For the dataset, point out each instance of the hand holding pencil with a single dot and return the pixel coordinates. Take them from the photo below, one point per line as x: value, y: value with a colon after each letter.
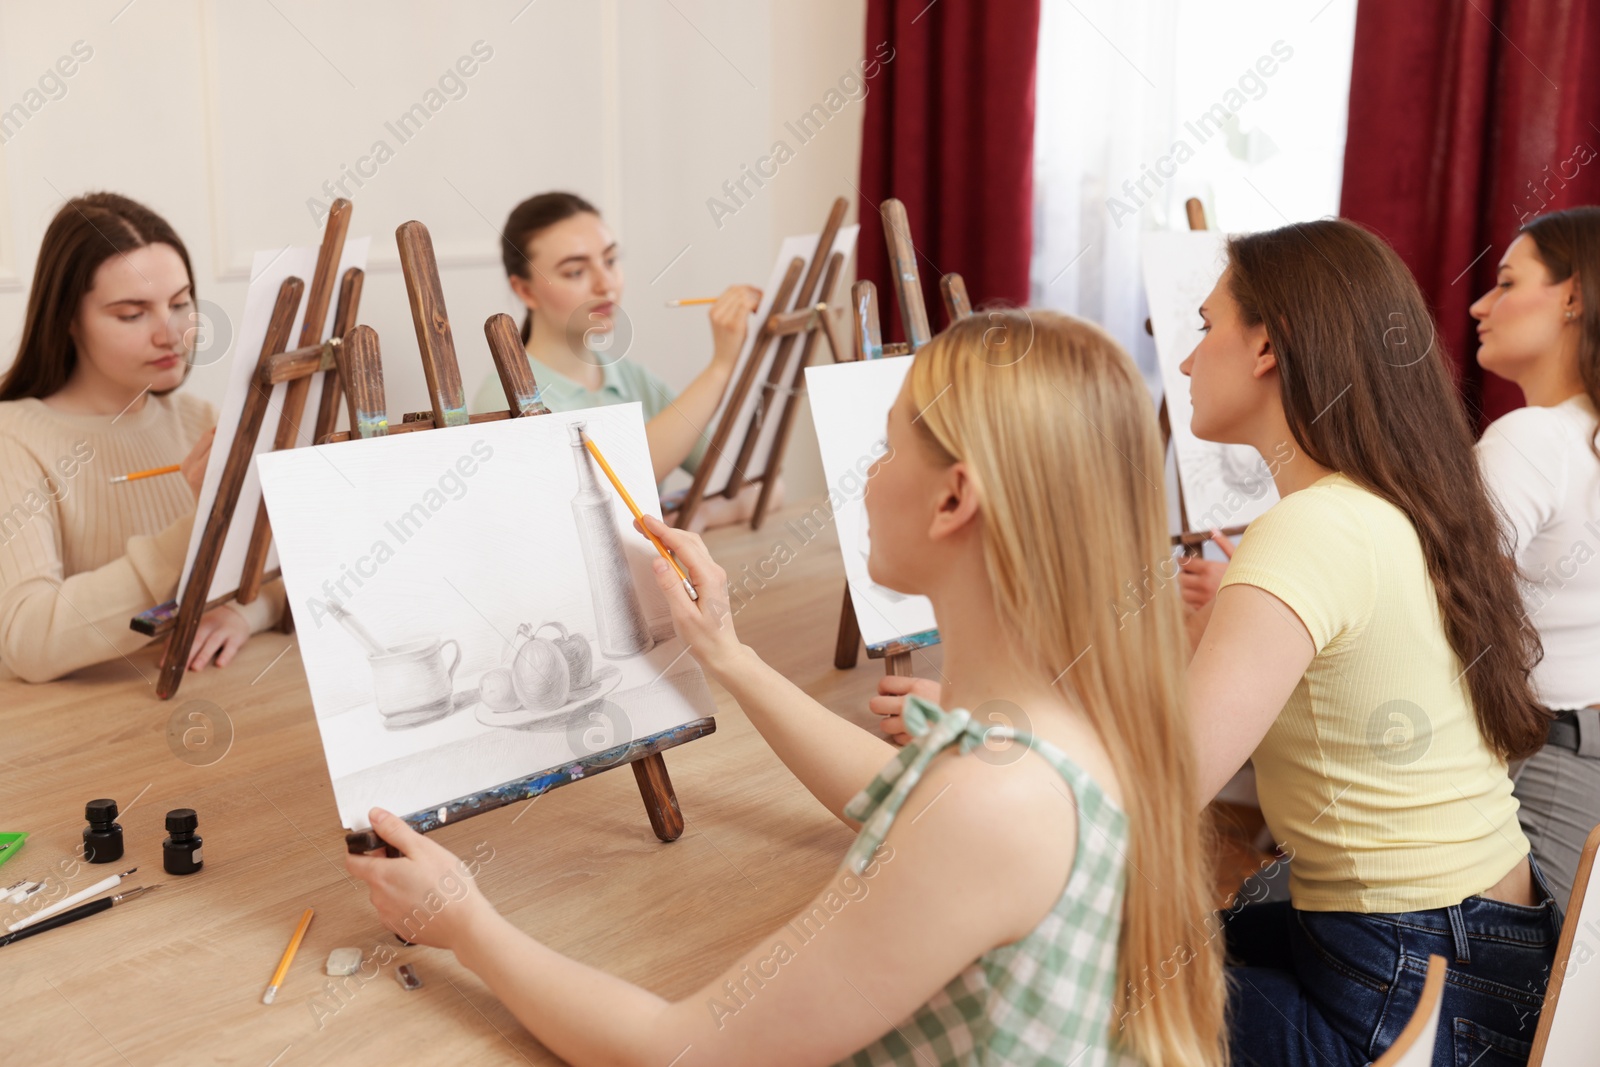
x: 594, y: 450
x: 705, y: 624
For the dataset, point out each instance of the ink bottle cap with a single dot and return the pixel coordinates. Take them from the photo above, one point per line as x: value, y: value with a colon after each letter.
x: 180, y: 852
x: 102, y: 838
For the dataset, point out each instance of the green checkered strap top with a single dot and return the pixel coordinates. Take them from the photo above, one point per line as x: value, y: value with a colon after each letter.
x: 1046, y: 998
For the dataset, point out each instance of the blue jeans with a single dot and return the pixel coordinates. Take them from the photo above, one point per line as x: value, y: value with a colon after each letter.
x: 1330, y: 989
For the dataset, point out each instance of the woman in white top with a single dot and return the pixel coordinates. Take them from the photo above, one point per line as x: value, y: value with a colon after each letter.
x: 1540, y: 327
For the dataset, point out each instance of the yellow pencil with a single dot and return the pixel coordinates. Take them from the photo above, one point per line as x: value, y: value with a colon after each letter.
x: 288, y: 958
x: 594, y: 450
x: 151, y: 473
x: 691, y: 301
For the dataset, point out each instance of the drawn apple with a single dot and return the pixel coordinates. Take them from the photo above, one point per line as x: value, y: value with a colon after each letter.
x: 579, y: 657
x: 539, y: 673
x: 498, y: 691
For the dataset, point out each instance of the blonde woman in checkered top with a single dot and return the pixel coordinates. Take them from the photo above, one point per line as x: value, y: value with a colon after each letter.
x: 1036, y: 896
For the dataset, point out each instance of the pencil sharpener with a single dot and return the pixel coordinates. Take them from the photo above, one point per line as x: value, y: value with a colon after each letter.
x: 406, y: 975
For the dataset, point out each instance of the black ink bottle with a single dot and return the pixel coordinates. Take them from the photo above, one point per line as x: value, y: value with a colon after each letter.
x: 102, y: 838
x: 180, y: 853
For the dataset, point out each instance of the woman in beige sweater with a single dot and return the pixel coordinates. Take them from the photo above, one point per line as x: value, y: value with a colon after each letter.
x: 92, y: 394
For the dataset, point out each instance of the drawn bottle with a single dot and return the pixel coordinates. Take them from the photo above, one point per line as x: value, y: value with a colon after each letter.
x: 617, y: 613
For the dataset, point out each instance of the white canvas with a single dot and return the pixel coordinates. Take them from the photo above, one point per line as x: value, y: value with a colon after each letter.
x: 463, y: 534
x: 267, y: 274
x: 804, y: 247
x: 1223, y: 485
x: 850, y: 405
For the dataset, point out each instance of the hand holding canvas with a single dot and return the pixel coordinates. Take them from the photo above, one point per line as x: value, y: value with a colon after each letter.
x: 425, y: 895
x: 891, y: 701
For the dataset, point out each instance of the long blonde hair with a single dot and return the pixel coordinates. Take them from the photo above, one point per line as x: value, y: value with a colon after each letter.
x: 1058, y: 428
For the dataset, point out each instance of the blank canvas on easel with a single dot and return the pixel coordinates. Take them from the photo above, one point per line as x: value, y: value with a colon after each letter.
x: 441, y: 545
x: 801, y: 247
x: 850, y: 405
x: 267, y: 274
x: 1223, y: 485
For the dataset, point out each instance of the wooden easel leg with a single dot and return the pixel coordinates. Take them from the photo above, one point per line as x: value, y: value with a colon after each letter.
x: 660, y: 802
x: 898, y: 663
x: 180, y: 641
x: 848, y: 648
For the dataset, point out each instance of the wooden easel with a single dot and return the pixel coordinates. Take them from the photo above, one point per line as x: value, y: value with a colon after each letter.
x: 274, y: 365
x: 784, y: 324
x: 869, y: 345
x: 1192, y: 543
x: 360, y: 366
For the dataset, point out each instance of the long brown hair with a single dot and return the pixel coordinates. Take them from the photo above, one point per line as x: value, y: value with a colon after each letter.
x: 1056, y: 440
x: 526, y: 220
x: 87, y: 231
x: 1367, y: 393
x: 1568, y: 243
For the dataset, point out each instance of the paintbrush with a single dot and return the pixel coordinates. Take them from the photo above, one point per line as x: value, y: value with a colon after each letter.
x: 358, y: 631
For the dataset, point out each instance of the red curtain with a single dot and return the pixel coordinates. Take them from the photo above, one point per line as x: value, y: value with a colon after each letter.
x: 1467, y: 116
x: 948, y: 130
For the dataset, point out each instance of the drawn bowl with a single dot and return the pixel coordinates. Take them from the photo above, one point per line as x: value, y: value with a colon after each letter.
x: 604, y: 681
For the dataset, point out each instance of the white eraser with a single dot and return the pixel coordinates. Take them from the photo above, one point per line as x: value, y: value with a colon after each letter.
x: 343, y: 961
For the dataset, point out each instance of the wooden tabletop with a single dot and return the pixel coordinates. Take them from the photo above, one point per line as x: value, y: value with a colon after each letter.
x: 177, y: 976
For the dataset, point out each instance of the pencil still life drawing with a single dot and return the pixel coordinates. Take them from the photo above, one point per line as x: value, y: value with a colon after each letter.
x: 1223, y: 485
x: 474, y: 605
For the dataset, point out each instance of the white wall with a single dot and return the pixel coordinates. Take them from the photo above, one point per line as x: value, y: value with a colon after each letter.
x: 228, y: 119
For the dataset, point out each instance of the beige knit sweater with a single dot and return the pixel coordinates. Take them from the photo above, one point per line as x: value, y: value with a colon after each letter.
x: 80, y: 556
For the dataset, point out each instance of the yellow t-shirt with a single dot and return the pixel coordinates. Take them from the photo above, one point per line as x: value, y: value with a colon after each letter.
x: 1375, y: 774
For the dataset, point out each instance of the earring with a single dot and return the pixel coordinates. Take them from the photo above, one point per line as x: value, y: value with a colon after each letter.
x: 1569, y: 316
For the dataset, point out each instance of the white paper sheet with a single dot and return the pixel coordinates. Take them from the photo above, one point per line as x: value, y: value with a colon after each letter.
x: 1223, y: 485
x: 850, y: 405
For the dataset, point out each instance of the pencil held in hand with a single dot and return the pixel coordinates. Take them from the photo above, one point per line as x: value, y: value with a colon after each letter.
x: 594, y: 450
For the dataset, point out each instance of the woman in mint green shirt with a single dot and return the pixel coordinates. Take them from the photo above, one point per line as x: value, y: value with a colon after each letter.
x: 562, y: 262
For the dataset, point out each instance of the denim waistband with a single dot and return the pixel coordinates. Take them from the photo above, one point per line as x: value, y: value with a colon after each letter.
x: 1480, y: 917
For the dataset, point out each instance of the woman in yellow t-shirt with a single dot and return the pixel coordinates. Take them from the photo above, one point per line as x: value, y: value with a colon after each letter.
x: 1368, y: 649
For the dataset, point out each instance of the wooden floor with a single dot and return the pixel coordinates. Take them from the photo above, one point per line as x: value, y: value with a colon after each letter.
x: 177, y: 976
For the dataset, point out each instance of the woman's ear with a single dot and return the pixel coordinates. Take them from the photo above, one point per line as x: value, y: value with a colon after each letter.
x: 958, y: 502
x: 1266, y: 358
x: 524, y: 291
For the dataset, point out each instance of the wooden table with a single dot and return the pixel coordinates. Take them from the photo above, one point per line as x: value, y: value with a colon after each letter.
x: 177, y: 976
